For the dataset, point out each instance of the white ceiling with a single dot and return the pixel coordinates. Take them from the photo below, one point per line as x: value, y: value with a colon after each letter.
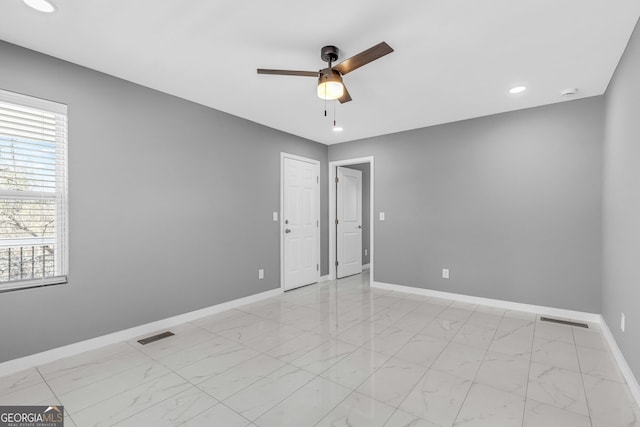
x: 453, y: 59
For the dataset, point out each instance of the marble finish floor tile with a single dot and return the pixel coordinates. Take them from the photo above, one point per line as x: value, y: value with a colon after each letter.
x: 191, y: 355
x: 98, y: 391
x: 358, y: 410
x: 488, y: 407
x: 554, y: 332
x: 389, y: 341
x: 355, y: 368
x: 590, y: 338
x: 475, y: 335
x: 342, y: 353
x: 504, y: 372
x: 610, y: 403
x: 215, y: 364
x: 20, y: 380
x: 297, y: 347
x: 414, y: 322
x: 124, y: 405
x: 392, y: 381
x: 443, y: 328
x: 405, y: 419
x: 324, y: 356
x: 240, y: 376
x: 307, y: 406
x: 219, y: 415
x: 437, y: 398
x: 555, y: 353
x: 460, y: 360
x: 361, y: 333
x: 598, y: 363
x: 541, y: 415
x: 514, y: 337
x: 557, y: 387
x: 268, y: 392
x: 422, y: 350
x: 38, y: 393
x: 174, y: 411
x: 72, y: 373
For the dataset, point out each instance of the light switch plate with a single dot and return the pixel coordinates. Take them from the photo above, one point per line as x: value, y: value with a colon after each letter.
x: 275, y: 216
x: 261, y: 273
x: 445, y: 273
x: 381, y: 216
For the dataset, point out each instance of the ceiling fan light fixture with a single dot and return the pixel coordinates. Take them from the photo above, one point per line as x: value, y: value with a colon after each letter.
x: 41, y: 5
x: 330, y: 86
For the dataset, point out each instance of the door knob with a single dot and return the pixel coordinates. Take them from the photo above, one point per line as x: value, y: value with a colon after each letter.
x: 286, y: 230
x: 359, y: 226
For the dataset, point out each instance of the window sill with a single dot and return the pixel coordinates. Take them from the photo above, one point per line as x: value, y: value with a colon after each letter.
x: 30, y: 284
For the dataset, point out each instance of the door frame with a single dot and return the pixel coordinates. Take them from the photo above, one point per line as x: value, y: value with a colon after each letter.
x: 283, y: 156
x: 332, y: 211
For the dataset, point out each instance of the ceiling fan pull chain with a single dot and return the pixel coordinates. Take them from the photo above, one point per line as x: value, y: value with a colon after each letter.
x: 325, y: 101
x: 334, y: 114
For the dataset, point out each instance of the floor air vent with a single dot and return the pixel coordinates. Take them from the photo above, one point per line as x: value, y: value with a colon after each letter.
x: 156, y: 337
x: 564, y: 322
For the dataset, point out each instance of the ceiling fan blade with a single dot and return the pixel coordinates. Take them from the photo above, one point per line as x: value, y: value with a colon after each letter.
x: 345, y: 96
x: 363, y: 58
x: 289, y: 72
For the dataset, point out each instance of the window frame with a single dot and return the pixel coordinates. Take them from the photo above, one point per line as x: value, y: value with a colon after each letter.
x: 59, y: 197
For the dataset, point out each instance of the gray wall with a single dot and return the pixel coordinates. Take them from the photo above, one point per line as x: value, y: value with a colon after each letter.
x: 621, y: 225
x: 170, y: 206
x: 510, y: 203
x: 365, y: 168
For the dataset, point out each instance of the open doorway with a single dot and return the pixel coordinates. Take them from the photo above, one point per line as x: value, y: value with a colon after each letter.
x: 364, y: 167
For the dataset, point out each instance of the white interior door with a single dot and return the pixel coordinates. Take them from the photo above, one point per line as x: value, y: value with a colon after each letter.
x: 300, y: 223
x: 349, y: 226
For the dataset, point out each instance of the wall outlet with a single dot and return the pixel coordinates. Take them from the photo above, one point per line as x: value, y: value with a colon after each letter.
x: 623, y: 320
x: 381, y: 216
x: 366, y: 252
x: 275, y: 216
x: 445, y: 273
x: 261, y: 273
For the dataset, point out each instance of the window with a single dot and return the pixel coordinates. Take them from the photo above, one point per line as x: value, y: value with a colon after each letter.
x: 33, y: 192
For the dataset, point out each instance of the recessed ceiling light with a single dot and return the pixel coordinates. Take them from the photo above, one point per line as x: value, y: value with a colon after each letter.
x: 517, y: 89
x: 41, y: 5
x: 569, y: 91
x: 337, y: 129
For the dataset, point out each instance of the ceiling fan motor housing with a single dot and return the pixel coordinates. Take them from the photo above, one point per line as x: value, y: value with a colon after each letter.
x: 329, y: 53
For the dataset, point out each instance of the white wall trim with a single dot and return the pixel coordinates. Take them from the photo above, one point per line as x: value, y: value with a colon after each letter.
x: 284, y: 155
x: 632, y: 382
x: 324, y: 278
x: 332, y: 210
x: 366, y: 266
x: 509, y: 305
x: 48, y: 356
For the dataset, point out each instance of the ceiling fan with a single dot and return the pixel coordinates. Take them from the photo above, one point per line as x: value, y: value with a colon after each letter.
x: 330, y: 84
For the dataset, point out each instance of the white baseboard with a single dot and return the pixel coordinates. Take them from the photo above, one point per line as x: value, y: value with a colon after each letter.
x: 539, y: 309
x: 325, y: 278
x: 632, y: 382
x: 366, y: 266
x: 48, y: 356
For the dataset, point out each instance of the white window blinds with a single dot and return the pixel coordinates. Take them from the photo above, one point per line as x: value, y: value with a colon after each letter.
x: 33, y: 192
